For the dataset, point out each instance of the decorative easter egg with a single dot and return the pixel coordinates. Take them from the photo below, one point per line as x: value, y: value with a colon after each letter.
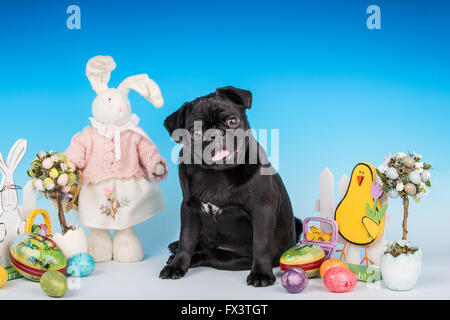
x: 3, y: 276
x: 32, y: 255
x: 66, y: 189
x: 339, y: 280
x: 48, y: 163
x: 415, y: 177
x: 308, y: 257
x: 426, y: 175
x: 49, y: 184
x: 393, y: 194
x: 408, y: 162
x: 63, y: 179
x: 80, y: 265
x: 332, y: 263
x: 54, y: 284
x: 294, y: 280
x: 392, y: 173
x: 39, y: 184
x: 410, y: 189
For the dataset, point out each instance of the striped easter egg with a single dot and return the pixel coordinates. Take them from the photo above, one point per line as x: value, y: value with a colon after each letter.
x: 32, y: 255
x: 308, y: 257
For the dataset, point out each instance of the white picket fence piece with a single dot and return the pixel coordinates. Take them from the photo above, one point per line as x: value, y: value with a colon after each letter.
x: 327, y: 207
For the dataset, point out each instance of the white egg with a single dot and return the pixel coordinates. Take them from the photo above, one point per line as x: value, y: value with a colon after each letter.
x: 393, y: 194
x: 426, y: 175
x: 39, y: 184
x: 415, y: 177
x: 392, y: 173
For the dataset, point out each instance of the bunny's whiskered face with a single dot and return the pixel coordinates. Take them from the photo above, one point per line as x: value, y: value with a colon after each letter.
x: 112, y: 106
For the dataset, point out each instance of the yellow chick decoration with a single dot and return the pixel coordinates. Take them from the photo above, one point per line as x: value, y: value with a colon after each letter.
x: 359, y: 215
x: 316, y: 234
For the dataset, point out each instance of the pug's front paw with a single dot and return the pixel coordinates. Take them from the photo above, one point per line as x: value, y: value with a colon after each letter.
x: 260, y: 279
x: 172, y: 271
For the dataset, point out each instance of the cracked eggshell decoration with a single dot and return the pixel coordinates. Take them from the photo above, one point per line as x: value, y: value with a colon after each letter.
x: 307, y: 257
x: 32, y: 255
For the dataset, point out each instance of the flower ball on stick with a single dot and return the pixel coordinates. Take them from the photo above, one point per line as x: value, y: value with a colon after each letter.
x: 58, y: 179
x: 405, y: 175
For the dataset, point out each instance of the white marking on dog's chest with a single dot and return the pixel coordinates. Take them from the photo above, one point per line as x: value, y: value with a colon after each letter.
x: 210, y: 208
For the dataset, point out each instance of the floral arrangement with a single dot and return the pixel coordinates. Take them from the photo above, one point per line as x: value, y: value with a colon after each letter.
x: 57, y: 178
x: 404, y: 175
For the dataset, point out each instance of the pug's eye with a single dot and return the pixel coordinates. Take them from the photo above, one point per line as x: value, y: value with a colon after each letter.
x: 197, y: 133
x: 232, y: 122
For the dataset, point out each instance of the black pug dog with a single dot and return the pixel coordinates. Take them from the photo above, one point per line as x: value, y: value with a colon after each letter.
x: 233, y: 216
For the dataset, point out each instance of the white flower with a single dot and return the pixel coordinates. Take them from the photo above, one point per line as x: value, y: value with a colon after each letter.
x: 383, y: 168
x: 419, y: 165
x: 55, y: 158
x: 421, y: 195
x: 402, y: 243
x: 400, y: 155
x: 416, y: 155
x: 388, y: 158
x: 379, y: 181
x: 421, y: 185
x: 400, y: 186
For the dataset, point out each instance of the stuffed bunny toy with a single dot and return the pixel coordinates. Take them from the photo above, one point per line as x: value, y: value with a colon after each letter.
x: 120, y: 164
x: 12, y: 222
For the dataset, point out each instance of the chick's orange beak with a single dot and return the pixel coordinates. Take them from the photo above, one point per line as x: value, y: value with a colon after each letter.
x: 360, y: 179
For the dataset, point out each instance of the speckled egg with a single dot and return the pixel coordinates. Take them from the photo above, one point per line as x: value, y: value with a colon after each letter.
x: 294, y: 280
x: 339, y: 280
x: 80, y: 265
x: 408, y: 162
x: 54, y: 284
x: 410, y: 189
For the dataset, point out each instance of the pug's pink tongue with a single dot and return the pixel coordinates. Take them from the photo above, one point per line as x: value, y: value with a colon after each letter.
x: 220, y: 155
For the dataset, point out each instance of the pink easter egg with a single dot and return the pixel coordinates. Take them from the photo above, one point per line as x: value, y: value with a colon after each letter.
x: 63, y: 179
x: 66, y: 189
x: 339, y: 280
x: 48, y: 163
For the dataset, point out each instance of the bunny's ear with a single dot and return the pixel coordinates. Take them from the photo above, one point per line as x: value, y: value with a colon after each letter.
x: 145, y: 86
x: 98, y: 71
x: 2, y: 165
x: 16, y: 154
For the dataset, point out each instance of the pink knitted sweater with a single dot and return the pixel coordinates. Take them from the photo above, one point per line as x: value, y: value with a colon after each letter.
x: 94, y: 154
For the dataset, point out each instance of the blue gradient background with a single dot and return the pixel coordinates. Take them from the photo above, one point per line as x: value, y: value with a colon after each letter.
x: 339, y: 92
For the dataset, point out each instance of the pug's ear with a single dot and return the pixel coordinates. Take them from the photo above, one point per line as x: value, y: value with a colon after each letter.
x: 176, y: 121
x: 238, y: 96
